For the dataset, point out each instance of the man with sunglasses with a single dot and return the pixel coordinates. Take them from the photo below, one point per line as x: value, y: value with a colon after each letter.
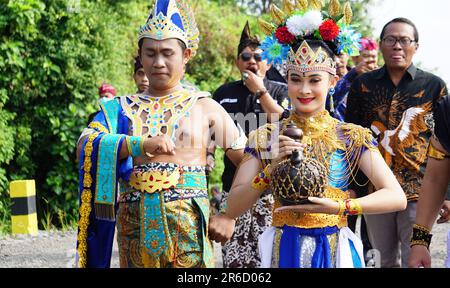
x: 249, y: 100
x: 397, y: 103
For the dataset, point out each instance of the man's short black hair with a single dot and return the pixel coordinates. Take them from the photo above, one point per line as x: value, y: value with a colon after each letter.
x: 182, y: 45
x: 401, y: 20
x: 252, y: 43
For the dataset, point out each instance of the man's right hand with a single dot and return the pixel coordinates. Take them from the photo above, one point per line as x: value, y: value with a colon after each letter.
x: 159, y: 145
x: 221, y: 228
x: 365, y: 66
x: 419, y: 257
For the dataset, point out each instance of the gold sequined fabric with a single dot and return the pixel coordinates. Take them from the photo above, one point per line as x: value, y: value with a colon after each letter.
x: 307, y: 221
x: 325, y: 136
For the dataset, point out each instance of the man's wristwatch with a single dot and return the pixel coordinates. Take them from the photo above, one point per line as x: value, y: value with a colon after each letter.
x: 260, y: 93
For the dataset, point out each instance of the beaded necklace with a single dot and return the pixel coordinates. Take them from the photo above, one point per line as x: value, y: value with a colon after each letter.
x: 326, y: 137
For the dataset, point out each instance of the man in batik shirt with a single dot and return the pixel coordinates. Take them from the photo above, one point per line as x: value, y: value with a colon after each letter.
x: 396, y: 102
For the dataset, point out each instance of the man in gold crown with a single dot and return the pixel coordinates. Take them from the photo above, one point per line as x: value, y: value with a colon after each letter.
x: 154, y: 146
x: 313, y: 232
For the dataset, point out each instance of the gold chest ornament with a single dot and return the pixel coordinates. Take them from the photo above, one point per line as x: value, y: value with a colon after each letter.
x: 155, y: 116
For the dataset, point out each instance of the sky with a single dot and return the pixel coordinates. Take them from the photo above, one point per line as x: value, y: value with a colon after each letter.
x: 432, y: 19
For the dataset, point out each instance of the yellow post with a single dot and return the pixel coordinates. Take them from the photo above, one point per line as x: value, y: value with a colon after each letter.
x: 23, y: 210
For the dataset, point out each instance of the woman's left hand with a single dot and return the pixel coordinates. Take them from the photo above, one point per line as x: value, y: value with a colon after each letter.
x: 319, y: 205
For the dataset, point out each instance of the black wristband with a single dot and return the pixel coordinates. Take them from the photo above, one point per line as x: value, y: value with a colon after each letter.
x: 421, y: 236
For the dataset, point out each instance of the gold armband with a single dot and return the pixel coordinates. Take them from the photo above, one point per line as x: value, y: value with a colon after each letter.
x: 135, y: 145
x: 262, y: 180
x: 349, y: 207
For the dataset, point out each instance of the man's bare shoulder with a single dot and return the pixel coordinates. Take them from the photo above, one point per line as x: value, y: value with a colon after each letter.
x: 209, y: 103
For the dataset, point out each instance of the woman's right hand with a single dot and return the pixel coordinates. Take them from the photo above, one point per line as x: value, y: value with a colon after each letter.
x: 283, y: 148
x: 159, y: 145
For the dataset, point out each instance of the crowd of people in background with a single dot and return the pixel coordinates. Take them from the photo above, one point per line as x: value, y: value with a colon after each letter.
x: 404, y: 108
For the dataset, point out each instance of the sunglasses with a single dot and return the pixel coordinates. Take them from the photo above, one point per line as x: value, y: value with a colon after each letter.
x: 246, y: 56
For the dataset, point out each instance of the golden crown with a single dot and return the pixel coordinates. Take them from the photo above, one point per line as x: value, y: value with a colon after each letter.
x: 307, y: 60
x: 172, y: 19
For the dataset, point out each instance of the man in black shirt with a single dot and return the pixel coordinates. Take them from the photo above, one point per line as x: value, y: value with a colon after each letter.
x: 396, y: 102
x: 251, y: 102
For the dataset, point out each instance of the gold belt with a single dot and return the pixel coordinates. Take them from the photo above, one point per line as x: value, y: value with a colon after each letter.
x: 156, y: 181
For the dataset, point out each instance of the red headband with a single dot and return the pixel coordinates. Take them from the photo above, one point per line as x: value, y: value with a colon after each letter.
x: 368, y: 44
x: 106, y: 88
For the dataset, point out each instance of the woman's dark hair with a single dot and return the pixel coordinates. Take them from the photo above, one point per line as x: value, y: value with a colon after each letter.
x: 328, y: 46
x: 401, y: 20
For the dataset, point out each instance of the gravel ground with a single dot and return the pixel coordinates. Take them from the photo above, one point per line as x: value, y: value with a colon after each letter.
x: 56, y: 249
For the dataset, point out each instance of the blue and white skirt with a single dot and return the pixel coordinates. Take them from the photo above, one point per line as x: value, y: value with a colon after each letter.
x: 291, y: 247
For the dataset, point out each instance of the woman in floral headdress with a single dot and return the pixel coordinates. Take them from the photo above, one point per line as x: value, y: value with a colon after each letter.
x: 315, y: 234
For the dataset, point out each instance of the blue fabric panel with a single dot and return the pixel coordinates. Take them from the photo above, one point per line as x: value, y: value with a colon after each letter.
x: 338, y: 165
x: 107, y: 168
x: 290, y: 247
x: 355, y: 256
x: 154, y: 240
x: 111, y: 109
x: 100, y: 243
x: 125, y: 166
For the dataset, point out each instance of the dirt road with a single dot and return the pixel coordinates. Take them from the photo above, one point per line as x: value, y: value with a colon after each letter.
x: 57, y: 250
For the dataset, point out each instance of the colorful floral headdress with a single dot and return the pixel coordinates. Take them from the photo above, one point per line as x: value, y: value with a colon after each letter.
x: 368, y: 44
x: 303, y: 21
x: 171, y: 19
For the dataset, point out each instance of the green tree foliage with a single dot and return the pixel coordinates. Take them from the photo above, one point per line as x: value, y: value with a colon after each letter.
x: 220, y: 29
x: 53, y: 56
x: 261, y: 7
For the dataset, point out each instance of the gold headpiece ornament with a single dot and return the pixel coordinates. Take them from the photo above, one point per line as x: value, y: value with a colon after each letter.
x: 171, y: 19
x: 308, y: 60
x: 334, y: 8
x: 301, y: 21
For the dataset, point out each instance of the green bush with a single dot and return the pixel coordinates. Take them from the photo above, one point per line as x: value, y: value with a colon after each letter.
x: 52, y: 59
x: 53, y: 56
